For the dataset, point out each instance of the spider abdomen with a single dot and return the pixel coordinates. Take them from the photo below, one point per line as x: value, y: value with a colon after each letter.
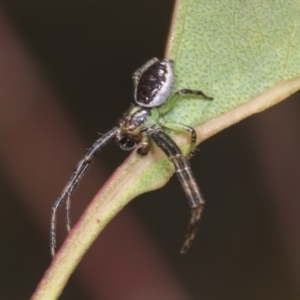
x: 154, y: 84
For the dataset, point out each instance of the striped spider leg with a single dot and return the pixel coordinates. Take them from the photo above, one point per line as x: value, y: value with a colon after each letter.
x: 182, y: 127
x: 77, y: 175
x: 186, y: 179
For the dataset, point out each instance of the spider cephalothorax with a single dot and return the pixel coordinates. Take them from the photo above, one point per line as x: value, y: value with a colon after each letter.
x: 153, y: 94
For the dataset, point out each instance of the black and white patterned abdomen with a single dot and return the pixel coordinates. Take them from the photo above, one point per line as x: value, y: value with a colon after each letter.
x: 154, y: 84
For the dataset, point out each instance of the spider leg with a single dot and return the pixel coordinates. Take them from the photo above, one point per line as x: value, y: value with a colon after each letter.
x: 193, y: 92
x: 182, y: 127
x: 178, y: 95
x: 186, y: 178
x: 79, y: 172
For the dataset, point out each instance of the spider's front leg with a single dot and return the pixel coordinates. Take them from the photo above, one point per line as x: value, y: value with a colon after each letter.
x: 79, y: 172
x: 182, y: 127
x: 186, y: 178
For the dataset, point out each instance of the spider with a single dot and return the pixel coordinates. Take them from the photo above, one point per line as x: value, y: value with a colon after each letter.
x: 153, y: 84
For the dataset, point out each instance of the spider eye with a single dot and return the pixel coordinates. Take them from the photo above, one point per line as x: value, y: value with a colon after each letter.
x: 127, y: 143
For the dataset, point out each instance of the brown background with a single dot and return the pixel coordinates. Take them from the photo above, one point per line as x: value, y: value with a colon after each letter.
x: 65, y: 75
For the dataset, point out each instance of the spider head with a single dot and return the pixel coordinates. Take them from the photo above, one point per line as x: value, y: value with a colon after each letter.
x: 129, y: 134
x: 135, y: 119
x: 133, y: 125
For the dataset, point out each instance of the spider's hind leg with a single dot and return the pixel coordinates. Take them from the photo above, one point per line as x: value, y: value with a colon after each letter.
x: 183, y: 92
x: 178, y: 95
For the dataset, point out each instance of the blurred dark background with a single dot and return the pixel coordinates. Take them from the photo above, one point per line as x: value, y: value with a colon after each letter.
x: 65, y: 75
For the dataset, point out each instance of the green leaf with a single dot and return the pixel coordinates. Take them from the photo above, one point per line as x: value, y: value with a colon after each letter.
x: 245, y: 54
x: 232, y: 50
